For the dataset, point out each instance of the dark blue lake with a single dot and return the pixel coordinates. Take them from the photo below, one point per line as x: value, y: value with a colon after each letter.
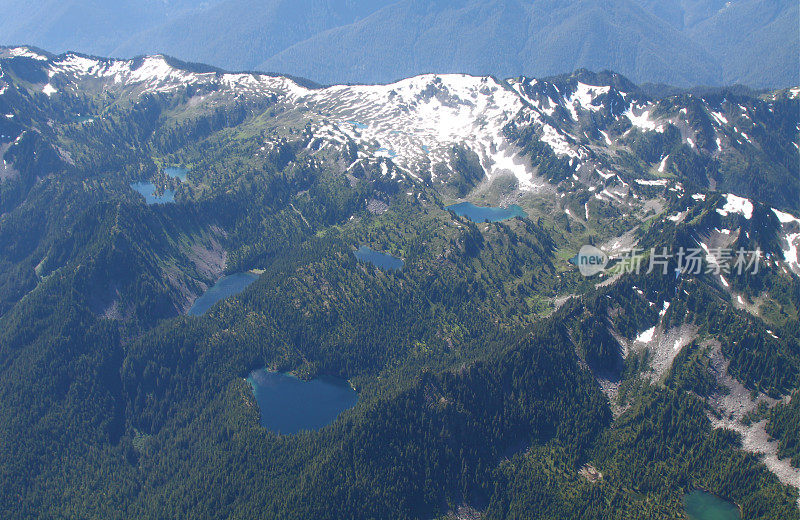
x: 384, y: 261
x: 148, y: 191
x: 176, y: 173
x: 485, y: 214
x: 289, y: 405
x: 225, y: 287
x: 700, y: 505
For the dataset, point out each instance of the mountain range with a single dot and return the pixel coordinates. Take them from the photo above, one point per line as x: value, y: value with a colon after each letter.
x: 679, y: 42
x: 493, y: 380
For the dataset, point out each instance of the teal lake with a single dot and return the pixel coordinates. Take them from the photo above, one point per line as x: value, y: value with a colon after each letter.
x: 289, y: 405
x: 148, y: 189
x: 225, y: 287
x: 384, y: 261
x: 176, y: 173
x: 700, y: 505
x: 485, y: 214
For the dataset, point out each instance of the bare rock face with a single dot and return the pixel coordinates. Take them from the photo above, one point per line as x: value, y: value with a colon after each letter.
x: 732, y: 406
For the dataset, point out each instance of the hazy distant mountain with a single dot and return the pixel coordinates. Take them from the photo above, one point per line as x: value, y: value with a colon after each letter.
x: 503, y: 37
x: 240, y: 34
x: 94, y: 26
x: 680, y: 42
x: 756, y: 41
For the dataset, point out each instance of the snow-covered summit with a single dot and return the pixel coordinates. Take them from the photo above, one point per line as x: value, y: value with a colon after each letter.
x: 586, y: 120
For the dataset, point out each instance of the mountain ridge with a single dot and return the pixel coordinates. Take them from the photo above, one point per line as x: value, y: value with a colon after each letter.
x: 518, y: 38
x: 743, y: 41
x: 555, y: 106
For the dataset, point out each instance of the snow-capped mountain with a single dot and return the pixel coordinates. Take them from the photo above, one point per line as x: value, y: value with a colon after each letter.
x: 587, y: 120
x: 415, y: 120
x: 592, y: 125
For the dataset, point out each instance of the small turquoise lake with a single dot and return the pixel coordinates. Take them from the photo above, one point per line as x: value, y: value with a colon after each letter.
x: 289, y: 405
x: 225, y: 287
x: 384, y: 261
x: 148, y: 191
x: 485, y: 214
x: 176, y: 172
x: 700, y: 505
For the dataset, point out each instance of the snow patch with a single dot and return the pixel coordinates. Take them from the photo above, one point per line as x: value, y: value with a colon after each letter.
x: 25, y: 52
x: 719, y: 118
x: 646, y: 336
x: 583, y: 97
x: 790, y: 254
x: 645, y: 182
x: 663, y: 165
x: 736, y: 204
x: 643, y: 121
x: 785, y: 218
